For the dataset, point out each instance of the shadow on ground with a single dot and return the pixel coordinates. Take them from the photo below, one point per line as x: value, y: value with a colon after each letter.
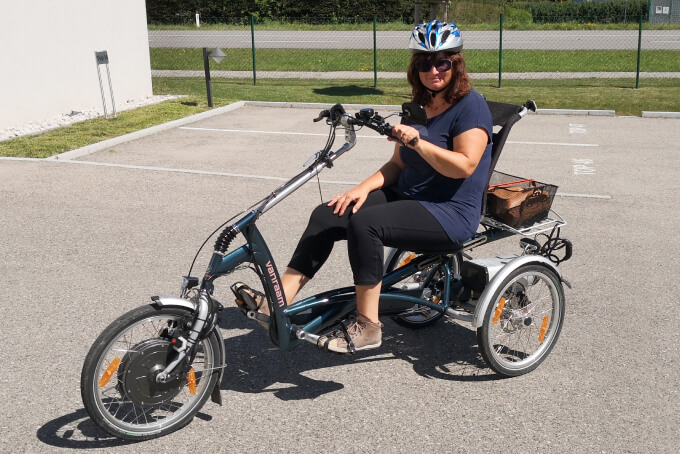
x: 348, y: 90
x: 445, y: 351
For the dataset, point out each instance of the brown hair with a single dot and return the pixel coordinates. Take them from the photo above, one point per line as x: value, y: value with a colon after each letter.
x: 457, y: 88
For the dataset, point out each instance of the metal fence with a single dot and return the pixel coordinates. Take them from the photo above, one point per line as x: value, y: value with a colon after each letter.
x: 369, y: 51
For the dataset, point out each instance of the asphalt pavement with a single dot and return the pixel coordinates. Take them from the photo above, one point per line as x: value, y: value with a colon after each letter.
x: 93, y: 234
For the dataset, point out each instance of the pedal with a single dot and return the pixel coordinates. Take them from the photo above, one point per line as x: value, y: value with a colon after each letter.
x: 245, y: 300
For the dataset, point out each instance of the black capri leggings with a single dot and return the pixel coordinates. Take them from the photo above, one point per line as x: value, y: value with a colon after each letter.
x: 385, y: 219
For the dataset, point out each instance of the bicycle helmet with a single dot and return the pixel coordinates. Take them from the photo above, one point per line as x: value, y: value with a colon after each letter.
x: 435, y: 36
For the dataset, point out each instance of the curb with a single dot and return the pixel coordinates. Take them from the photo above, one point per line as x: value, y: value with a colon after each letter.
x: 303, y: 105
x: 653, y: 114
x: 80, y: 152
x: 594, y: 113
x: 317, y: 105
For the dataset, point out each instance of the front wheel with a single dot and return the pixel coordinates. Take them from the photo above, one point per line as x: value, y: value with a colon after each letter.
x: 523, y: 321
x: 118, y: 384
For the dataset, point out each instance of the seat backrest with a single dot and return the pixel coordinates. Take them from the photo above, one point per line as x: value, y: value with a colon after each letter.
x: 505, y: 116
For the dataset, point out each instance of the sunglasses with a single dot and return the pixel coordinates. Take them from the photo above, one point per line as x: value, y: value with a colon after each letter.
x: 442, y: 65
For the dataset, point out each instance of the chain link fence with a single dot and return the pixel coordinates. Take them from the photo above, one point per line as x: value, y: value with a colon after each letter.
x: 366, y: 49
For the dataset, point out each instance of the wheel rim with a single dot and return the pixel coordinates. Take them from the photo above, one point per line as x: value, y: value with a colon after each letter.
x: 165, y: 406
x: 524, y: 321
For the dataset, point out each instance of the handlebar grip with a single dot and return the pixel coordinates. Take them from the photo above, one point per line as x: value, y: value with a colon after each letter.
x: 323, y: 114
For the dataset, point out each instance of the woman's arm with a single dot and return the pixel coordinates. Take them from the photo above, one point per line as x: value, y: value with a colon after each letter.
x: 468, y: 148
x: 386, y: 176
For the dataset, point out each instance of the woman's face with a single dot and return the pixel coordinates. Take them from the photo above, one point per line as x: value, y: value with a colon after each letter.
x: 434, y: 79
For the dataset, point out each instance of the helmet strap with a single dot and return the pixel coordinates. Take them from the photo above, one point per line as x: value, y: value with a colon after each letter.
x: 434, y: 93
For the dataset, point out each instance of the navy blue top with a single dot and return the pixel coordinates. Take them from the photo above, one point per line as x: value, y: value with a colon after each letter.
x: 455, y: 202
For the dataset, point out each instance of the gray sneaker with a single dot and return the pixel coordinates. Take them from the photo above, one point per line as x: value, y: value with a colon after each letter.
x: 364, y: 335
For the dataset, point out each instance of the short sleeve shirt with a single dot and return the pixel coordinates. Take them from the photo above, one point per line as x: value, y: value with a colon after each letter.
x: 456, y: 203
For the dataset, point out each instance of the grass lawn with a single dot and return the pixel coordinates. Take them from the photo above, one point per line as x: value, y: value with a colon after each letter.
x: 305, y: 60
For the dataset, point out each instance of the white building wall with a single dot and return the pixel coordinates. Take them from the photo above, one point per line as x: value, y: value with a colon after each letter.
x: 47, y: 61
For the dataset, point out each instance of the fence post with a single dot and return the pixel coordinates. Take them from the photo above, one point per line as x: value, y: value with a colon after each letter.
x: 637, y: 73
x: 252, y: 40
x: 208, y: 83
x: 375, y: 54
x: 500, y: 56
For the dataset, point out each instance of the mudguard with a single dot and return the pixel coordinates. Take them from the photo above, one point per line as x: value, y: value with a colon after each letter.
x: 500, y: 276
x: 173, y: 301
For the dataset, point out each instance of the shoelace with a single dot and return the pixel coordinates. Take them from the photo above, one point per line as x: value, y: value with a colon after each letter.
x: 355, y: 329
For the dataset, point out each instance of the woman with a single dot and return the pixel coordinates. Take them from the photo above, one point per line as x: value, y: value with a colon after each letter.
x: 427, y: 197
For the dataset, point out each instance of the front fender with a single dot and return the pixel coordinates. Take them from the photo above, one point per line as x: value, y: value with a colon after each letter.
x: 169, y: 301
x: 487, y: 294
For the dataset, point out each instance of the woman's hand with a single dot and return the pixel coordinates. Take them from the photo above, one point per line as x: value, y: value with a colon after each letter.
x: 356, y: 195
x: 406, y: 134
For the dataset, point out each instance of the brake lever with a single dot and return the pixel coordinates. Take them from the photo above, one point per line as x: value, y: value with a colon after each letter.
x: 313, y: 158
x: 388, y: 127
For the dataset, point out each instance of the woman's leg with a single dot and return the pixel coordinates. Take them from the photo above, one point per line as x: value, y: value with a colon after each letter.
x: 404, y: 224
x: 323, y: 230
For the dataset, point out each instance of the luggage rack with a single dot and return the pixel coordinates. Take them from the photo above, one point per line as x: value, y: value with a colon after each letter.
x: 542, y: 226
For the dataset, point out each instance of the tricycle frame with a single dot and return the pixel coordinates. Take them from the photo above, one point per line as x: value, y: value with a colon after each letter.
x: 307, y: 317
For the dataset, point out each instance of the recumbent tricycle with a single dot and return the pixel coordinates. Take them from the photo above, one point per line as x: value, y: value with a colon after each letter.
x: 153, y: 368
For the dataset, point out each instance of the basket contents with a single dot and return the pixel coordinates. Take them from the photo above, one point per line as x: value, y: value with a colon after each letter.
x: 516, y: 202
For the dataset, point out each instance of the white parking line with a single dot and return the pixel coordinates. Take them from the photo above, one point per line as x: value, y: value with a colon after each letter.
x: 224, y: 174
x: 250, y: 131
x: 562, y: 144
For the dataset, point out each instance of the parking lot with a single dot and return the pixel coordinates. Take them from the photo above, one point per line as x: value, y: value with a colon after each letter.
x: 87, y: 237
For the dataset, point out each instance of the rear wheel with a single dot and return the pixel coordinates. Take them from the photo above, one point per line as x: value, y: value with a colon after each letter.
x: 118, y: 380
x: 431, y: 279
x: 523, y: 321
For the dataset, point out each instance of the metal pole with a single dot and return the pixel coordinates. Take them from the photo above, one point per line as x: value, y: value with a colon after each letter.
x: 375, y: 54
x: 113, y: 101
x: 500, y: 56
x: 208, y: 84
x: 637, y: 74
x: 101, y: 87
x: 252, y: 40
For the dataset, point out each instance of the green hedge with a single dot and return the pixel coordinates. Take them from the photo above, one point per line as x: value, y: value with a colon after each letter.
x: 215, y: 11
x: 606, y: 12
x: 350, y: 11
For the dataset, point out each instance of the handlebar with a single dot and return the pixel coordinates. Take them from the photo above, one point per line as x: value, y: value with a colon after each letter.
x: 337, y: 116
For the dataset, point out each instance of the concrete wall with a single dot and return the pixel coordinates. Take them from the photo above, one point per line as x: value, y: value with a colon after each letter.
x: 47, y: 61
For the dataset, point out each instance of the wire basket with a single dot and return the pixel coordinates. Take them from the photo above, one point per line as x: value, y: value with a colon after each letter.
x: 518, y: 202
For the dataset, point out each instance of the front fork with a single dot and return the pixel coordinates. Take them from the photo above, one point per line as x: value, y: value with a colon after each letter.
x: 186, y: 346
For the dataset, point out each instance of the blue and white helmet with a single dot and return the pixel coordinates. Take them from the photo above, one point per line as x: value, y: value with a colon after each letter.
x: 435, y: 36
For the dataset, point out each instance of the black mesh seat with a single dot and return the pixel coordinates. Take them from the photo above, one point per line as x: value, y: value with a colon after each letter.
x: 504, y: 116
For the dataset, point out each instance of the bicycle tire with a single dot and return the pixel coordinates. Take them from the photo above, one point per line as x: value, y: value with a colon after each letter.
x: 522, y: 323
x: 117, y: 385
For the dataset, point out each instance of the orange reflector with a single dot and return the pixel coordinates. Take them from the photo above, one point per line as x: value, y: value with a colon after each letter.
x: 407, y: 260
x: 544, y: 328
x: 191, y: 379
x: 499, y: 311
x: 108, y: 373
x: 435, y: 299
